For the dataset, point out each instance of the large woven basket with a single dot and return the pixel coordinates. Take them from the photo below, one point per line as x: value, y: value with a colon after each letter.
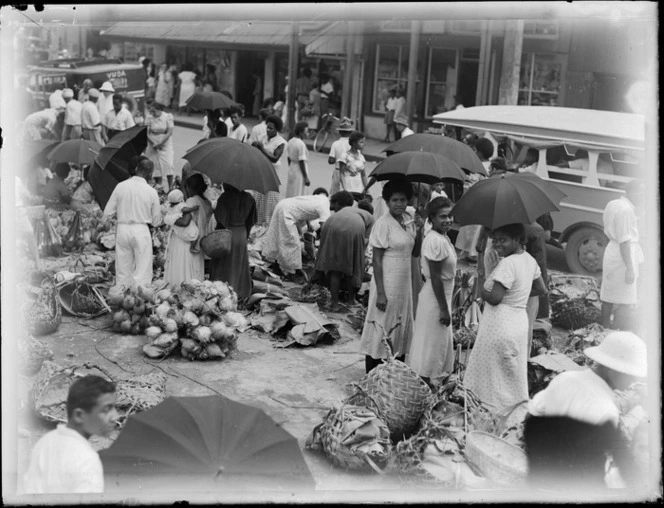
x: 72, y: 293
x: 217, y: 244
x: 352, y: 437
x: 495, y: 458
x: 51, y: 387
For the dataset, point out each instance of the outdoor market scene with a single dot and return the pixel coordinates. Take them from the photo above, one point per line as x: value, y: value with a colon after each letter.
x: 225, y: 294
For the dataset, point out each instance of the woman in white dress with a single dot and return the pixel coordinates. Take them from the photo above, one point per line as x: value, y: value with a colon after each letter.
x: 187, y: 86
x: 394, y: 239
x: 352, y: 166
x: 498, y: 363
x: 196, y: 188
x: 272, y: 145
x: 160, y: 142
x: 180, y: 263
x: 432, y: 351
x: 164, y: 86
x: 298, y: 157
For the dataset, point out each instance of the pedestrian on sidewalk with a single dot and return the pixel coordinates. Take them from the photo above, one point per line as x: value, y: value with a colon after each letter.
x: 237, y: 129
x: 118, y: 119
x: 90, y: 119
x: 302, y: 89
x: 401, y: 125
x: 622, y: 257
x: 73, y: 109
x: 63, y: 461
x: 298, y: 159
x: 390, y: 105
x: 338, y: 151
x: 187, y: 80
x: 135, y: 204
x: 272, y: 145
x: 105, y: 101
x: 164, y: 86
x: 160, y: 142
x: 400, y: 109
x: 352, y: 167
x: 259, y: 130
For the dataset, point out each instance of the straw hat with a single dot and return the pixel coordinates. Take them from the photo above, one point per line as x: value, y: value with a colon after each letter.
x: 621, y: 351
x: 346, y: 125
x: 175, y: 196
x: 107, y: 87
x: 403, y: 120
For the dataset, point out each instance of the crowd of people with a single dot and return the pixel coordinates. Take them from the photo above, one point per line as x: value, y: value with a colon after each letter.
x: 413, y: 260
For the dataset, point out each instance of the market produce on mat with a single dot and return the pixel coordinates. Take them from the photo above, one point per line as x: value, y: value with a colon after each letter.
x: 574, y: 300
x: 82, y: 299
x: 581, y: 338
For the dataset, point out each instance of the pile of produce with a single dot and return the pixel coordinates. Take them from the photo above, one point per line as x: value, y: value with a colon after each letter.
x: 575, y: 301
x: 159, y: 243
x: 582, y: 338
x: 201, y: 318
x: 79, y: 228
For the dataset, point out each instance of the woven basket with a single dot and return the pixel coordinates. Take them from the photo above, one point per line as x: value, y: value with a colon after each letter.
x: 41, y: 315
x: 574, y: 313
x: 217, y: 244
x: 495, y: 458
x: 67, y: 294
x: 352, y: 437
x: 50, y: 390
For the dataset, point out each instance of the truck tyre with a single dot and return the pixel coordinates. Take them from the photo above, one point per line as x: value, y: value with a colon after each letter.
x: 585, y: 250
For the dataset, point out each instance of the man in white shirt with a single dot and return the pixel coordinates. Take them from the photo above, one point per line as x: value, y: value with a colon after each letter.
x: 337, y: 152
x: 83, y: 92
x: 73, y: 109
x: 90, y: 120
x: 105, y: 102
x: 55, y: 100
x: 136, y: 204
x: 401, y: 123
x: 63, y: 461
x: 118, y: 119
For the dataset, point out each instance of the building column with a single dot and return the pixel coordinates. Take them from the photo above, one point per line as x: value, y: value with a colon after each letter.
x: 349, y: 72
x: 292, y: 75
x: 268, y: 76
x: 415, y: 29
x: 511, y: 66
x: 483, y: 75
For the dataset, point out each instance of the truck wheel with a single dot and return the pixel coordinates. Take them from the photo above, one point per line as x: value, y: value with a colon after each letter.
x: 585, y: 250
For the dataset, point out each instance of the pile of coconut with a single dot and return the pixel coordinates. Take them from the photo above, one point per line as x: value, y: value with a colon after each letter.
x: 200, y: 318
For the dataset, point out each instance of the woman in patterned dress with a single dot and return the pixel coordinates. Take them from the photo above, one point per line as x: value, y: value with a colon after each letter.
x: 432, y: 352
x: 497, y: 367
x: 352, y: 167
x: 160, y: 143
x: 272, y: 145
x: 394, y: 239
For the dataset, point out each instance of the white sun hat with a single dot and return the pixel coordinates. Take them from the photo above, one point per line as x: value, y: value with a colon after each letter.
x: 107, y: 86
x: 621, y: 351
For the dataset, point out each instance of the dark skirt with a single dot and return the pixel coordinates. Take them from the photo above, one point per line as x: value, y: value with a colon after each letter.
x: 342, y: 248
x: 234, y: 267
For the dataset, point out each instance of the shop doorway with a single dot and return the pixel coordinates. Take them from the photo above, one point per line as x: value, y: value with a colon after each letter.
x: 468, y: 72
x: 250, y: 65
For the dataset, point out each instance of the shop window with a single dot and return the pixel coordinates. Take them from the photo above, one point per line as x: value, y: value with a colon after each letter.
x: 540, y: 29
x: 540, y: 79
x: 391, y: 70
x: 441, y: 81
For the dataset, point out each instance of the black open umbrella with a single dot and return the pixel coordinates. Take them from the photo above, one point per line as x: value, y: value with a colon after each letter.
x: 103, y: 182
x: 116, y: 155
x: 209, y: 443
x: 210, y: 100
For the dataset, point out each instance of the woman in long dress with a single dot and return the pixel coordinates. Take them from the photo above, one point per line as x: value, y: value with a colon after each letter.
x: 235, y: 211
x: 196, y: 187
x: 281, y: 243
x: 272, y: 145
x: 160, y: 142
x: 432, y: 350
x: 394, y: 239
x: 298, y: 157
x: 497, y: 366
x: 187, y: 86
x: 180, y: 263
x: 343, y: 242
x: 164, y: 86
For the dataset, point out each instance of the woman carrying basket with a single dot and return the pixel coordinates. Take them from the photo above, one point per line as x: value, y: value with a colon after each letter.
x: 236, y: 211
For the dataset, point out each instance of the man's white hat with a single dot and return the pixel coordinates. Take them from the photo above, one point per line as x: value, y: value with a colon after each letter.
x: 68, y: 93
x: 621, y: 351
x: 107, y: 87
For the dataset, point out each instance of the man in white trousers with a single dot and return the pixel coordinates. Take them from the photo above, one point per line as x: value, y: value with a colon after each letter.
x: 136, y: 204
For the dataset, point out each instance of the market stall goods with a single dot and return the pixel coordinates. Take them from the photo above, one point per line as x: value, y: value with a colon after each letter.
x: 352, y: 437
x: 82, y: 299
x: 574, y: 300
x: 40, y: 309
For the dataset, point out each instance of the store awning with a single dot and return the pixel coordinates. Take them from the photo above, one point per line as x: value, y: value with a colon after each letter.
x: 332, y: 41
x: 230, y: 35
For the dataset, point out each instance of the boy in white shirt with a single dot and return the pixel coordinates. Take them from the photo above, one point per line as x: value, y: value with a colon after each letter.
x: 337, y: 152
x: 63, y: 461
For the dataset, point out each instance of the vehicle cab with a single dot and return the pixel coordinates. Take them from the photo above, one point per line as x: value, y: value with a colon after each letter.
x: 589, y: 154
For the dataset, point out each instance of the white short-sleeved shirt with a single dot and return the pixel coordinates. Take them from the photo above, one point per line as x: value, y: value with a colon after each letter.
x: 391, y: 104
x: 241, y: 133
x: 258, y: 132
x: 90, y: 115
x: 338, y: 150
x: 46, y: 119
x: 351, y: 177
x: 73, y: 112
x: 581, y: 395
x: 64, y: 462
x: 437, y: 247
x: 620, y: 221
x: 120, y: 121
x: 516, y: 273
